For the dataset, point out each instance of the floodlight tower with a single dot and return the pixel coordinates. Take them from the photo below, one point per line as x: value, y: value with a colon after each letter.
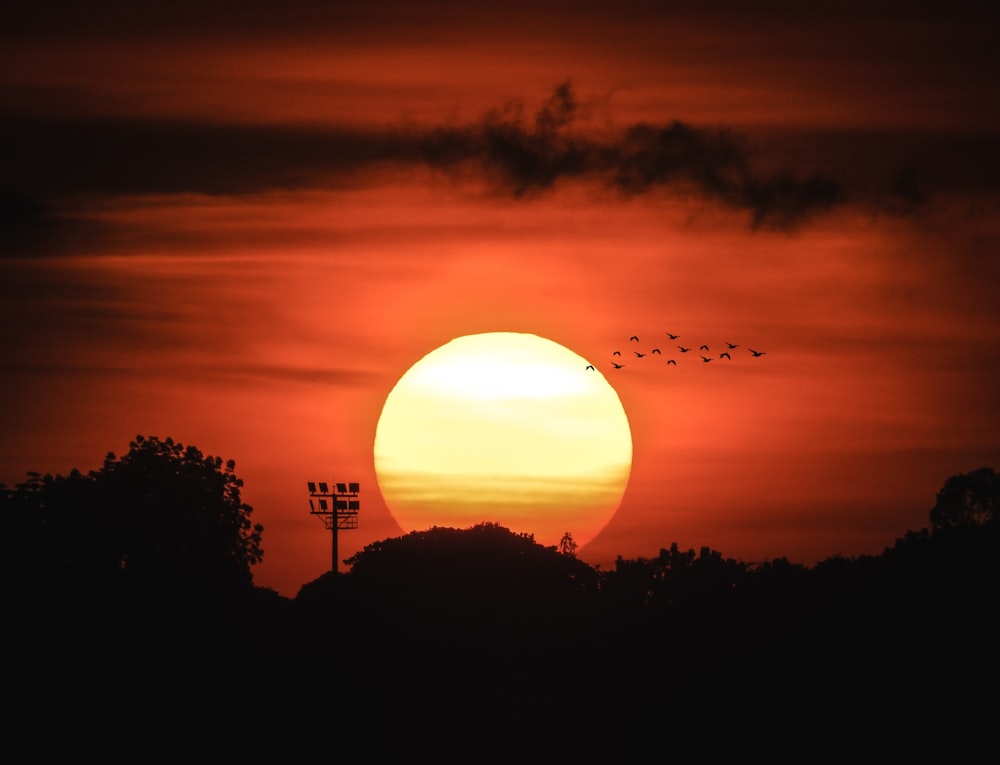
x: 338, y: 509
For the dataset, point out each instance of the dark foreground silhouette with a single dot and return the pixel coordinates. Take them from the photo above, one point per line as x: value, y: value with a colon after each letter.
x: 129, y: 599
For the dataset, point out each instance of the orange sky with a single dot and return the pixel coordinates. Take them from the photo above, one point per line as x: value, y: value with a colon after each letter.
x: 241, y: 230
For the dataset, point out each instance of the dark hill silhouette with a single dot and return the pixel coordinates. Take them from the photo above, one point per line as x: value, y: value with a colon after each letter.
x: 487, y: 561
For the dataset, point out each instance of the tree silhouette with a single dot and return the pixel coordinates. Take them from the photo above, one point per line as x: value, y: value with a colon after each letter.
x: 567, y: 546
x: 968, y: 499
x: 162, y: 518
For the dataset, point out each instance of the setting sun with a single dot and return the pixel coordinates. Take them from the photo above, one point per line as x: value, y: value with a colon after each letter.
x: 504, y: 427
x: 323, y: 323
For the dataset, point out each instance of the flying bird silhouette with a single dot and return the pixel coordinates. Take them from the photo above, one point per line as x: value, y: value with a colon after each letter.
x: 683, y: 349
x: 706, y: 359
x: 617, y: 366
x: 656, y: 350
x: 703, y: 348
x: 634, y: 338
x: 671, y: 361
x: 617, y: 353
x: 672, y: 337
x: 756, y: 353
x: 731, y: 346
x: 590, y: 366
x: 639, y: 355
x: 725, y: 355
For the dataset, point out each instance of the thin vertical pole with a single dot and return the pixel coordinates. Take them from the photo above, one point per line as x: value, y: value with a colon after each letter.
x: 333, y: 534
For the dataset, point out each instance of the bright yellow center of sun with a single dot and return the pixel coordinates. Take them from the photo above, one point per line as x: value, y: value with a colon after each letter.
x: 505, y: 428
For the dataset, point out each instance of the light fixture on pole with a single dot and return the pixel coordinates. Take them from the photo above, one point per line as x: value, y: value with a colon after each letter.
x: 337, y: 506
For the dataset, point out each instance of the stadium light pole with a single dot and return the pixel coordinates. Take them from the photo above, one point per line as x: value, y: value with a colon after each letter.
x: 337, y: 506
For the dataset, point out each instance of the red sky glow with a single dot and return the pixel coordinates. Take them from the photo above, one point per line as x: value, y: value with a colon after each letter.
x: 241, y: 235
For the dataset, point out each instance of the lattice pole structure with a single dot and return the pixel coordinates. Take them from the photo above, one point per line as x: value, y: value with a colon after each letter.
x: 337, y: 506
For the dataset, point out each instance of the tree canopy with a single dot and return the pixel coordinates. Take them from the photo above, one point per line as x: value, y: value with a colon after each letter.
x: 488, y: 554
x: 163, y: 517
x: 967, y: 499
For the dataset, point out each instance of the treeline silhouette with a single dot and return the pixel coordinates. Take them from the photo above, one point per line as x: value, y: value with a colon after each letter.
x: 480, y: 644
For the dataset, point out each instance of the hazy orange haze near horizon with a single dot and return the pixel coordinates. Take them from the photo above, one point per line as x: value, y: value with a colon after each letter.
x: 240, y: 232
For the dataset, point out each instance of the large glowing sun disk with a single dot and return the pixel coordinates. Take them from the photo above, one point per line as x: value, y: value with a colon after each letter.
x: 504, y: 427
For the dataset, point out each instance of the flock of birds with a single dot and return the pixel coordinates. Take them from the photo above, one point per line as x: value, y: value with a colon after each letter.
x: 702, y: 350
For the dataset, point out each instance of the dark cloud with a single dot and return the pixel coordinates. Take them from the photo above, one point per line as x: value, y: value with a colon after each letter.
x: 518, y: 153
x: 257, y: 17
x: 651, y: 155
x: 780, y: 179
x: 116, y: 18
x: 134, y: 156
x: 23, y: 221
x: 522, y: 151
x: 526, y: 155
x: 906, y: 189
x: 783, y: 201
x: 718, y: 163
